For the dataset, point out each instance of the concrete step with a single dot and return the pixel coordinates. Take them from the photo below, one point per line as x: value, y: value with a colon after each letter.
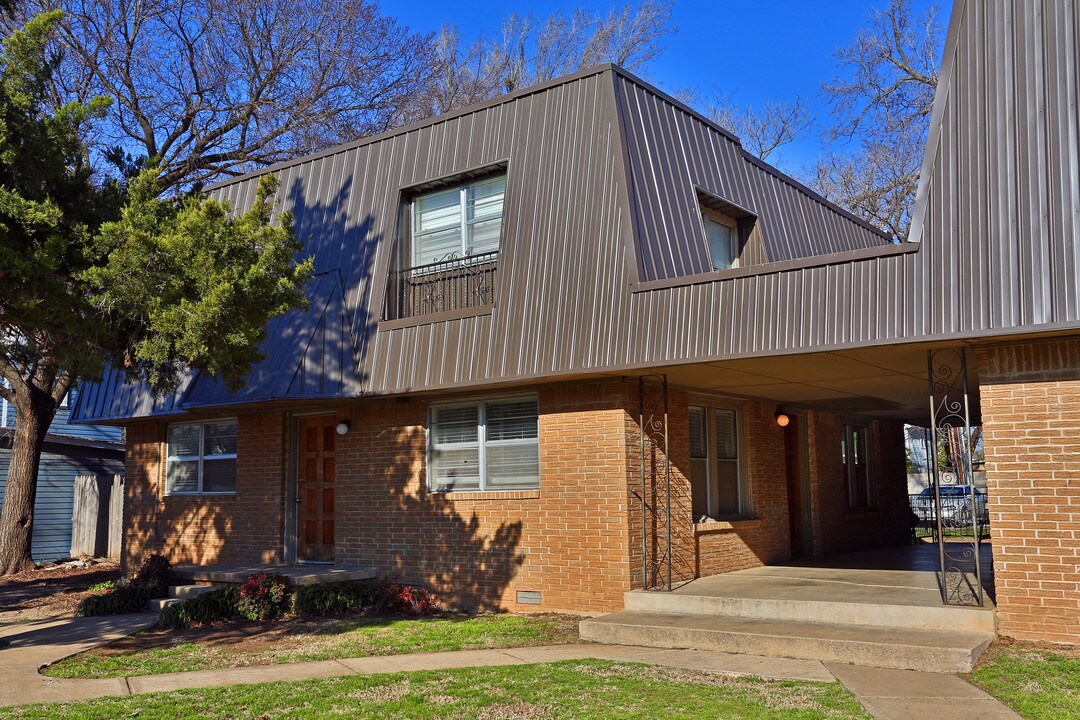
x: 185, y: 592
x: 874, y: 646
x: 845, y: 609
x: 159, y: 604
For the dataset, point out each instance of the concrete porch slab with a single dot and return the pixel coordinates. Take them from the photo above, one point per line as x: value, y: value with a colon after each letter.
x: 238, y: 573
x: 897, y: 587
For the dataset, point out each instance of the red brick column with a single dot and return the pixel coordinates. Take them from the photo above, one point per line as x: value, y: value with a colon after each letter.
x: 1031, y: 422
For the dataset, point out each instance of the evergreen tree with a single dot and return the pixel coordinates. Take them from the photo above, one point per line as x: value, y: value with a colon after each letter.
x: 96, y: 274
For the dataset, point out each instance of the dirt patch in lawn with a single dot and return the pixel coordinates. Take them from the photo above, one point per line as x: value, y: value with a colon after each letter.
x: 51, y: 591
x: 240, y: 637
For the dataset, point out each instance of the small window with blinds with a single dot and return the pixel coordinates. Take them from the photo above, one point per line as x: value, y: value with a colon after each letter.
x: 716, y: 476
x: 489, y: 445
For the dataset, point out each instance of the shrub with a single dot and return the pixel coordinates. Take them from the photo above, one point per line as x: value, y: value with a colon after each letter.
x: 336, y: 598
x: 153, y: 575
x: 262, y: 597
x: 125, y: 598
x: 209, y: 607
x: 406, y: 599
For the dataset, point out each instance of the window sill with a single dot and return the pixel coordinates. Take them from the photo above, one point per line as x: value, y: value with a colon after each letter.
x: 728, y: 524
x: 436, y: 317
x: 196, y: 495
x: 487, y: 495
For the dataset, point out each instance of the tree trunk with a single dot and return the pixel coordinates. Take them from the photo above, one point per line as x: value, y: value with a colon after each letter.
x: 32, y: 419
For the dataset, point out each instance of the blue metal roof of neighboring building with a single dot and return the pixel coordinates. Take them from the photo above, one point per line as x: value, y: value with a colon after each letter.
x: 63, y: 429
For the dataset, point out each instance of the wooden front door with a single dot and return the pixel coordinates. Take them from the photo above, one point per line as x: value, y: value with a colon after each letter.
x: 315, y: 489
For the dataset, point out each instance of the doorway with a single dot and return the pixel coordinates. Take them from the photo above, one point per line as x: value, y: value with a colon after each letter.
x: 798, y: 487
x: 315, y: 494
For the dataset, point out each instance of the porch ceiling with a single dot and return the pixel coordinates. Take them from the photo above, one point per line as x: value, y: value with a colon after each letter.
x: 889, y: 381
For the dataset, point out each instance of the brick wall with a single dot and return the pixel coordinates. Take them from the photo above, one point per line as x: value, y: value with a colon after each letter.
x: 567, y: 540
x: 1030, y: 397
x: 577, y: 540
x: 837, y: 528
x: 247, y: 526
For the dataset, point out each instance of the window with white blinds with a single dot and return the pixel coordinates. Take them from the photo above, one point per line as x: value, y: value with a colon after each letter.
x: 201, y: 458
x: 457, y: 222
x: 490, y: 445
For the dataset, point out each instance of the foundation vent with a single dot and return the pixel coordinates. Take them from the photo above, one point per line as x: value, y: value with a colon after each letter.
x: 528, y: 597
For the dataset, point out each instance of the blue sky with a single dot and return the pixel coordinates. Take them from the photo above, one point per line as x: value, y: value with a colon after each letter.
x: 751, y: 50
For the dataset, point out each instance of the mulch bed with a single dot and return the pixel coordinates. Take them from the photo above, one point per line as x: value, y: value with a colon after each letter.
x: 51, y: 590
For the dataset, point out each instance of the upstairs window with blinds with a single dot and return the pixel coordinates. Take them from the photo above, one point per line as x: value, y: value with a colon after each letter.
x: 458, y: 222
x: 490, y: 445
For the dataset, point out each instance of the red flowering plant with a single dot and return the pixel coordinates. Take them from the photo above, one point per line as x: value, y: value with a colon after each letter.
x: 262, y: 597
x: 407, y: 599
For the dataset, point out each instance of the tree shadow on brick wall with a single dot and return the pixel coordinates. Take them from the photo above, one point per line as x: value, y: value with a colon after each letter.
x: 198, y: 535
x: 468, y: 558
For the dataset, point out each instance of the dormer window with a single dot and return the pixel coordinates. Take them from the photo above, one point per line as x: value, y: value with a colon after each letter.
x: 723, y: 236
x: 729, y: 233
x: 457, y: 222
x: 447, y: 257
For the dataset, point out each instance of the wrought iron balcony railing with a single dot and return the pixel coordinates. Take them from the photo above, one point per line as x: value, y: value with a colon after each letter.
x: 453, y: 283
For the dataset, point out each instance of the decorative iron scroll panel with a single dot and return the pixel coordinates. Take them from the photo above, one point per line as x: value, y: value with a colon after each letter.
x: 655, y: 489
x: 960, y: 574
x: 452, y: 283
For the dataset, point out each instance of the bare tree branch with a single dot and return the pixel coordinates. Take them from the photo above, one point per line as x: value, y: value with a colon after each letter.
x: 528, y: 51
x: 882, y: 105
x: 764, y: 130
x: 213, y: 88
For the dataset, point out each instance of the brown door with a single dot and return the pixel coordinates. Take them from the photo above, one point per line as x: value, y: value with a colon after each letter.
x: 796, y: 511
x: 315, y: 489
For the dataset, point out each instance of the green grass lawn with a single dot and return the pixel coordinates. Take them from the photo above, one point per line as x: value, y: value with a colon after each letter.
x: 154, y: 652
x: 1038, y: 684
x: 585, y: 689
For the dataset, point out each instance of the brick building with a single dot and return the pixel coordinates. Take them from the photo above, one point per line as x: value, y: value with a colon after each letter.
x: 510, y: 296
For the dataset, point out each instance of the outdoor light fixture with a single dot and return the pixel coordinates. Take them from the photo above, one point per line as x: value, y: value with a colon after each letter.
x: 343, y: 427
x: 782, y: 419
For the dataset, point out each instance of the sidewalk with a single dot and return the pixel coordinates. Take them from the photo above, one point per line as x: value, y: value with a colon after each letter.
x: 887, y: 694
x: 24, y: 647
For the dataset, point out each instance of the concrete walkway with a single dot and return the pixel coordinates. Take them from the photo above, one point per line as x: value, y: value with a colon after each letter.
x: 905, y: 694
x: 887, y: 694
x: 24, y: 647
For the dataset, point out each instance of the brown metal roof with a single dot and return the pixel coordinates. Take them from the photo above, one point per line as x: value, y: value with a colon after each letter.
x: 602, y: 264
